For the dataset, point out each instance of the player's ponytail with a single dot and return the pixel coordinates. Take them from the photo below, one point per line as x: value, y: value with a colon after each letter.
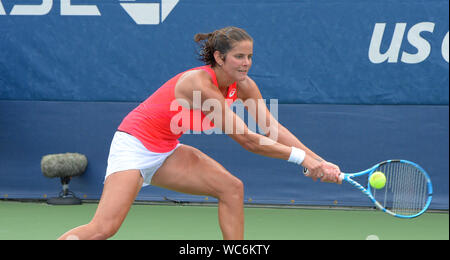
x: 221, y: 40
x: 201, y: 36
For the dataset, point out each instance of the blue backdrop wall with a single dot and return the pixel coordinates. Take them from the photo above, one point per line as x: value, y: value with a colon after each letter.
x: 321, y: 51
x: 352, y: 73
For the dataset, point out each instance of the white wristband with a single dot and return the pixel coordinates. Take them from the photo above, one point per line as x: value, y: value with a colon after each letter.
x: 297, y: 156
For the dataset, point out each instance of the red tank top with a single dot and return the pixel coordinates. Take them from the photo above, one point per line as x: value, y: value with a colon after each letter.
x: 160, y: 120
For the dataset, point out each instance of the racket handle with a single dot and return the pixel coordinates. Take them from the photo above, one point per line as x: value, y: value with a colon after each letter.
x: 341, y: 176
x: 305, y: 171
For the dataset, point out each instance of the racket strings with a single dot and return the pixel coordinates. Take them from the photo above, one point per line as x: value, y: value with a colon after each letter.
x: 405, y: 192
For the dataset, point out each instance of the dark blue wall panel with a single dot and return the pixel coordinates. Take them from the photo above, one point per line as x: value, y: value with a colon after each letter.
x: 354, y: 137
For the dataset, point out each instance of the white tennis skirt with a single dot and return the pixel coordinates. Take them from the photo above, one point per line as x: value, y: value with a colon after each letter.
x: 128, y: 153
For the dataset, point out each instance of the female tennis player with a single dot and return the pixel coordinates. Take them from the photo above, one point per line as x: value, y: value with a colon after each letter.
x: 145, y: 150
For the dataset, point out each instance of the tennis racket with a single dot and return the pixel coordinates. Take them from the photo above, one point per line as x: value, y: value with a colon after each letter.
x: 408, y: 190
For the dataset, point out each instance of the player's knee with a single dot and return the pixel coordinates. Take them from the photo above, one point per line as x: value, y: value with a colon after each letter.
x: 238, y: 187
x: 234, y: 189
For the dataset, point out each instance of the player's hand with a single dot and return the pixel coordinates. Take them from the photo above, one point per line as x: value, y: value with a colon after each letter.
x: 331, y: 173
x: 323, y: 170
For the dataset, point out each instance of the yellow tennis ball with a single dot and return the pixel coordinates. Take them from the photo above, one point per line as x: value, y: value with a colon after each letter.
x: 377, y: 180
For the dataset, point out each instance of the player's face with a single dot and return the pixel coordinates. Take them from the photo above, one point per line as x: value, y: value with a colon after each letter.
x: 239, y: 60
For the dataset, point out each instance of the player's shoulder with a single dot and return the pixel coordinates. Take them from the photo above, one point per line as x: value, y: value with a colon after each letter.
x: 246, y: 87
x: 195, y: 79
x: 198, y: 77
x: 247, y: 83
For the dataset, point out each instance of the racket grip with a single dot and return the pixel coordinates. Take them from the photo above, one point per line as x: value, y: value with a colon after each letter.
x: 305, y: 172
x: 341, y: 176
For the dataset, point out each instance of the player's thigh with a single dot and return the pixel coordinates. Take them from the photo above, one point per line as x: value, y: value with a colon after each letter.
x: 119, y: 192
x: 188, y: 170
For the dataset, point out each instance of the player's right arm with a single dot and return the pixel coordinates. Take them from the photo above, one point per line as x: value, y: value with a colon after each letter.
x: 214, y: 106
x: 231, y: 124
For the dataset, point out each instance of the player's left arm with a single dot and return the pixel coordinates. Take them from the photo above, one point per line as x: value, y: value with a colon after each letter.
x: 250, y: 94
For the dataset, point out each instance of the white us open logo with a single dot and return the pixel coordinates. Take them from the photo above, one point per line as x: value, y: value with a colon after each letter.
x: 141, y: 13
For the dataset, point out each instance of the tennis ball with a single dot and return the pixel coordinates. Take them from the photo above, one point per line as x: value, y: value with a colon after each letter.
x: 377, y: 180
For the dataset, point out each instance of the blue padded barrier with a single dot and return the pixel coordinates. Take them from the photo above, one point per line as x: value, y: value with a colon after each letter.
x: 354, y: 137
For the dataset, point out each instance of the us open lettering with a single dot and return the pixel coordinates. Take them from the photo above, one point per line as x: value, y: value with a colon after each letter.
x: 67, y: 8
x: 414, y: 38
x: 141, y: 13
